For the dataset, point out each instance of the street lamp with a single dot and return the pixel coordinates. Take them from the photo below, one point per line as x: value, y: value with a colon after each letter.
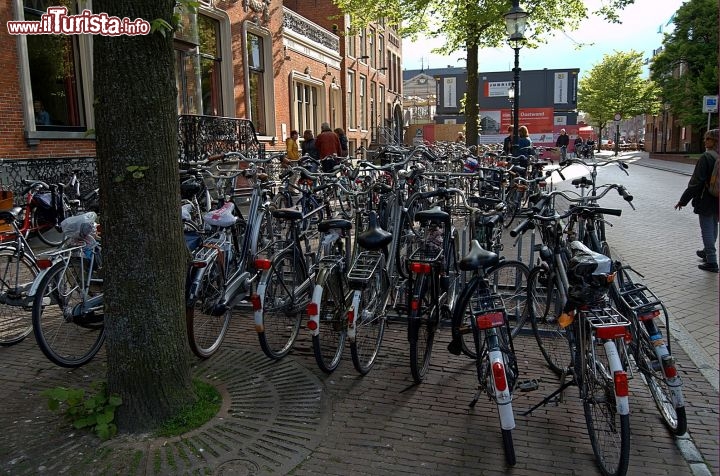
x: 511, y: 100
x: 515, y: 24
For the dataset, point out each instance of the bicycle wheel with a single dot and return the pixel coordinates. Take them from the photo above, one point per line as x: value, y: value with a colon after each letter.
x: 513, y: 201
x: 369, y: 322
x: 609, y: 430
x: 329, y: 343
x: 508, y: 447
x: 509, y: 280
x: 545, y: 306
x: 452, y: 283
x: 422, y: 324
x: 652, y: 374
x: 206, y: 331
x: 17, y: 273
x: 69, y: 329
x: 284, y: 304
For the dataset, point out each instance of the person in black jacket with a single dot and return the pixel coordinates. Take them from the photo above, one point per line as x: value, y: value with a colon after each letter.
x: 507, y: 142
x: 562, y: 142
x: 704, y: 204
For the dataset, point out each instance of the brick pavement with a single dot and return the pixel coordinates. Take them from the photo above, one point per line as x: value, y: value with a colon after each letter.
x: 384, y: 424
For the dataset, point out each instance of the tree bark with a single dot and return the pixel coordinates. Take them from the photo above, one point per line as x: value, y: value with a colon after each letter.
x: 471, y: 99
x: 145, y: 258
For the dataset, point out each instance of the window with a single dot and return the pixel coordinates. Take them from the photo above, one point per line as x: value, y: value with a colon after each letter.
x: 373, y: 115
x: 258, y: 48
x: 371, y: 48
x: 351, y: 119
x: 307, y: 99
x: 381, y: 51
x: 335, y: 103
x: 363, y: 44
x: 198, y: 66
x: 381, y: 100
x: 363, y: 103
x: 55, y: 76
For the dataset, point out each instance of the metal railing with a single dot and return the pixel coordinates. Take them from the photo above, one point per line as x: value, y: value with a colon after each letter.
x: 201, y: 136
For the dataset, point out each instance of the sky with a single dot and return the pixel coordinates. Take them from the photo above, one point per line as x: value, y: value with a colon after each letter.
x: 638, y: 31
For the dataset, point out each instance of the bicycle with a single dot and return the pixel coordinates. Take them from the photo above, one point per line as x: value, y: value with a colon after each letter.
x: 650, y: 350
x: 595, y: 335
x: 18, y: 270
x: 67, y: 312
x: 493, y: 351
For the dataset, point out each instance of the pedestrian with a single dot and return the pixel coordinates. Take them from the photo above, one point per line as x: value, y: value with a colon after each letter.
x: 562, y: 142
x: 705, y: 205
x: 524, y: 141
x: 308, y: 145
x: 328, y: 145
x: 460, y: 139
x: 507, y: 142
x: 291, y: 146
x: 577, y: 146
x: 343, y: 141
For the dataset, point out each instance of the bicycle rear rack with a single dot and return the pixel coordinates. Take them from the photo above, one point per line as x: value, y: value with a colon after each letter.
x: 364, y: 267
x: 605, y: 317
x: 428, y: 254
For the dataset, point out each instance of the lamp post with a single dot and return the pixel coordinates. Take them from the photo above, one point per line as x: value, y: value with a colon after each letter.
x: 511, y: 100
x: 515, y: 24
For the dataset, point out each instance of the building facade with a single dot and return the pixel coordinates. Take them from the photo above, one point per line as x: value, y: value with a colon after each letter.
x: 280, y: 66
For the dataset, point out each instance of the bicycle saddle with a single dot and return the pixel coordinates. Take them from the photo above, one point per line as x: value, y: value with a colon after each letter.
x: 291, y: 213
x: 334, y: 224
x: 434, y: 214
x: 477, y: 258
x: 374, y: 238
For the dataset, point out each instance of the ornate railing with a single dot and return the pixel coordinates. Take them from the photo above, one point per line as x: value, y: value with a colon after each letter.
x: 51, y: 170
x: 385, y: 136
x: 201, y: 136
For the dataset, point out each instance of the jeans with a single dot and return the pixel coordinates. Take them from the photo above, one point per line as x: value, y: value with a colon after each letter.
x: 709, y: 232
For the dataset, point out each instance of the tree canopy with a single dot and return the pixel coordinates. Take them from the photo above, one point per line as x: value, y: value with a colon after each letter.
x: 687, y: 68
x: 615, y: 86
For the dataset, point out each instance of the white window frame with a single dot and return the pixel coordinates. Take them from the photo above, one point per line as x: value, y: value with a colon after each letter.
x: 351, y: 101
x: 362, y: 90
x: 268, y: 76
x: 312, y: 120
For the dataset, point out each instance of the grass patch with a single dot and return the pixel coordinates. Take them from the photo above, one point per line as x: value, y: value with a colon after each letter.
x: 207, y: 405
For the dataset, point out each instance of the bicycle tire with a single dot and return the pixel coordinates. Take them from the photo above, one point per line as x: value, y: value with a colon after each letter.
x: 462, y: 316
x: 66, y: 340
x: 407, y: 238
x: 454, y: 278
x: 329, y: 343
x: 284, y: 304
x: 509, y: 280
x: 609, y: 431
x: 509, y: 447
x: 369, y: 323
x: 512, y: 201
x: 206, y: 332
x: 17, y: 272
x: 422, y: 325
x: 545, y: 308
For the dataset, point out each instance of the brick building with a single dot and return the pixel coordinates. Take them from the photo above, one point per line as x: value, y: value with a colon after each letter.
x: 281, y: 65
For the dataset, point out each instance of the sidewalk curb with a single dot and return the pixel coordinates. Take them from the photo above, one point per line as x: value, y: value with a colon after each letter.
x: 692, y: 455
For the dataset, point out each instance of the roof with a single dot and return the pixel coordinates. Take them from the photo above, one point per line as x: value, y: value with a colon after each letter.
x: 432, y: 72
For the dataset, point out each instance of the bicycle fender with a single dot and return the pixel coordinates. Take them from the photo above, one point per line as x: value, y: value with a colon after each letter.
x: 258, y: 313
x: 622, y: 403
x: 317, y: 300
x: 355, y: 310
x: 36, y: 282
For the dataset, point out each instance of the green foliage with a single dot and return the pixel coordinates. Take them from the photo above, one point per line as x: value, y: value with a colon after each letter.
x: 133, y: 171
x: 205, y: 407
x: 164, y: 27
x: 615, y: 85
x: 95, y: 411
x: 687, y: 68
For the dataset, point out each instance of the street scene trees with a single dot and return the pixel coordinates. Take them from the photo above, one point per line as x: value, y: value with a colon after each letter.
x: 143, y: 247
x: 470, y: 26
x: 687, y: 67
x: 615, y: 86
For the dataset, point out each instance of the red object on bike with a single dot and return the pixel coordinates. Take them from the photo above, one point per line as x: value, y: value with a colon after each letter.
x: 621, y: 383
x: 312, y: 310
x: 262, y: 264
x: 312, y: 325
x: 499, y: 376
x: 648, y: 316
x: 44, y: 263
x: 487, y: 321
x: 610, y: 332
x: 420, y: 268
x: 256, y: 302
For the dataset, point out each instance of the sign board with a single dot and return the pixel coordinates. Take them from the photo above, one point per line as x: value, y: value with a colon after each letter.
x: 710, y: 104
x: 495, y: 89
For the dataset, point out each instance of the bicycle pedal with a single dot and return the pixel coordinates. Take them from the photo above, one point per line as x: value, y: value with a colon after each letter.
x: 528, y: 385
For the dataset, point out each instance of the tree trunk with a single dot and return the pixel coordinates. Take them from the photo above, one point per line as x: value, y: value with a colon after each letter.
x: 471, y: 99
x: 145, y: 259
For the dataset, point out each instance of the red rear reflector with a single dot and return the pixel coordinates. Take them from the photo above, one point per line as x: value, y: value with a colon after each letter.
x: 420, y: 268
x: 499, y: 376
x: 414, y: 305
x: 646, y: 316
x: 312, y: 325
x: 350, y: 316
x: 668, y: 364
x: 610, y: 332
x: 262, y: 264
x: 44, y: 263
x: 621, y: 383
x: 199, y: 264
x: 256, y: 302
x: 312, y: 309
x: 487, y: 321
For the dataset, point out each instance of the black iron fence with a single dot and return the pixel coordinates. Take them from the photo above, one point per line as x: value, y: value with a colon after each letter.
x: 198, y: 138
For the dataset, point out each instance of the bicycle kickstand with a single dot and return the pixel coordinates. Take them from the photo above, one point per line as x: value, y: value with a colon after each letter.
x: 552, y: 397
